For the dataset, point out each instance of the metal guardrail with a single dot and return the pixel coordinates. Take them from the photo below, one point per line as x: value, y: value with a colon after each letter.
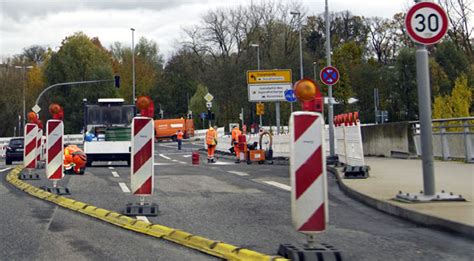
x: 452, y: 138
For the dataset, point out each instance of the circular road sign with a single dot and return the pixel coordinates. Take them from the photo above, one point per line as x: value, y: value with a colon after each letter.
x: 329, y: 75
x: 426, y: 23
x: 290, y: 95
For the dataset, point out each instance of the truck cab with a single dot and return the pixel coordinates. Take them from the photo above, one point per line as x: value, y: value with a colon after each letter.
x: 107, y: 130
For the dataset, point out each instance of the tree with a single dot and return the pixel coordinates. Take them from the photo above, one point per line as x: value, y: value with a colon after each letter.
x: 197, y: 104
x: 458, y: 104
x: 78, y: 59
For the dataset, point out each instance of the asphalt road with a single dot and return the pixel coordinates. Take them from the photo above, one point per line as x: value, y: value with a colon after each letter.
x: 244, y: 205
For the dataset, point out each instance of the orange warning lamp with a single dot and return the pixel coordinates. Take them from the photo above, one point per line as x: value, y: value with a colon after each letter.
x: 143, y: 102
x: 54, y: 108
x: 32, y: 118
x: 305, y: 90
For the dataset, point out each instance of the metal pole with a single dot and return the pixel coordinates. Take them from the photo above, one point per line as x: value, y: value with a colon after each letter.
x: 133, y: 65
x: 375, y: 103
x: 424, y: 107
x: 330, y: 111
x: 277, y: 112
x: 242, y: 111
x: 301, y: 48
x: 258, y: 68
x: 24, y: 99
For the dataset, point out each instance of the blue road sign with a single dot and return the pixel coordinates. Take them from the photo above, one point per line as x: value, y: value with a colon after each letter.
x: 290, y: 95
x: 329, y: 75
x: 203, y: 115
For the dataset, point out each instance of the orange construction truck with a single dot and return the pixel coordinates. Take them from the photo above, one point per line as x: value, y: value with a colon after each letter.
x: 168, y: 128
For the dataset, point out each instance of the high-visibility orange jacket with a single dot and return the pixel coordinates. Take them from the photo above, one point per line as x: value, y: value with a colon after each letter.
x: 211, y: 137
x: 235, y: 134
x: 180, y: 135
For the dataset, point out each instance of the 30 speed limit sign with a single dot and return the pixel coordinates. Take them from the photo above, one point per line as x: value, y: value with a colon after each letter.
x: 426, y: 23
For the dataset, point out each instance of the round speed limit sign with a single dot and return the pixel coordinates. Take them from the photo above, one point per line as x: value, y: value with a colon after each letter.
x: 426, y: 23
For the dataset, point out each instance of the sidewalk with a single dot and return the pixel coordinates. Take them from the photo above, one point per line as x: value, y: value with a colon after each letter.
x: 388, y: 176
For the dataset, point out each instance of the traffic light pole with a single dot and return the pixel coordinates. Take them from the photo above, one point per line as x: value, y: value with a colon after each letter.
x: 332, y: 157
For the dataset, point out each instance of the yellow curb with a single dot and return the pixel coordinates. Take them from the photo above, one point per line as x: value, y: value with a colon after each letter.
x: 208, y: 246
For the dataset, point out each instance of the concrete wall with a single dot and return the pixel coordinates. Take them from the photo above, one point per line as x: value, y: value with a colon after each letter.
x: 381, y: 139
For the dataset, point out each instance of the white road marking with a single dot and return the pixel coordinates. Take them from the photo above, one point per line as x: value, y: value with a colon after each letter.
x: 115, y: 174
x: 169, y: 146
x: 187, y: 156
x: 110, y: 163
x: 111, y: 167
x: 238, y: 173
x: 2, y: 170
x: 165, y: 157
x: 161, y: 164
x: 124, y: 187
x: 174, y: 160
x: 278, y: 185
x: 143, y: 218
x: 223, y: 163
x: 181, y: 162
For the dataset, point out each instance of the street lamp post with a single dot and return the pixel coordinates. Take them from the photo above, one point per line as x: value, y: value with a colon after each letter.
x: 133, y: 65
x: 258, y: 68
x: 295, y: 13
x: 332, y: 155
x: 314, y: 71
x: 23, y: 122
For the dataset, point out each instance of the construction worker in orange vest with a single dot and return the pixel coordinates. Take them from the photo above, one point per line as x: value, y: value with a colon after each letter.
x: 211, y: 141
x: 235, y: 142
x: 179, y: 137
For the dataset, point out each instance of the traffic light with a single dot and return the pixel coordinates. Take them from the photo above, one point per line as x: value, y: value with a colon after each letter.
x: 117, y: 81
x: 260, y: 109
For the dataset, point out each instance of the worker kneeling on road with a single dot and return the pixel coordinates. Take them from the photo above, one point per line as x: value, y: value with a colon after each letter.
x: 235, y: 142
x: 179, y: 137
x: 74, y: 160
x: 211, y: 141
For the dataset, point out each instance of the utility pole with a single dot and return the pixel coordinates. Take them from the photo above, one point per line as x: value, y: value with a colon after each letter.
x: 330, y: 102
x: 23, y: 120
x: 258, y: 68
x: 133, y: 65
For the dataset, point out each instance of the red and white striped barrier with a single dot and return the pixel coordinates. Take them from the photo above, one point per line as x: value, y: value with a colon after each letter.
x: 39, y: 146
x: 54, y: 149
x: 309, y: 206
x: 29, y: 152
x: 142, y: 169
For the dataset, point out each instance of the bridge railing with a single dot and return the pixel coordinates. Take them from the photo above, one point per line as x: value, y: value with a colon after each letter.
x: 452, y: 138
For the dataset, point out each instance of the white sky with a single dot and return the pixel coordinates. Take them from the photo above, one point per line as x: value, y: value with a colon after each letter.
x: 46, y: 22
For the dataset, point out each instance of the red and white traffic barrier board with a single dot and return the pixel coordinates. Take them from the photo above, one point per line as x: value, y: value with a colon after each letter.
x: 142, y: 170
x: 309, y: 208
x: 54, y: 149
x: 39, y: 145
x: 29, y: 152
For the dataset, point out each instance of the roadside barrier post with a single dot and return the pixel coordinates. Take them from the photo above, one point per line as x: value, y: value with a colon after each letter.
x: 55, y: 156
x: 39, y: 149
x: 309, y: 204
x: 29, y: 152
x: 355, y: 166
x: 142, y: 168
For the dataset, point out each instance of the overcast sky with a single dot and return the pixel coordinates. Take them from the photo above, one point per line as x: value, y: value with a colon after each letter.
x: 46, y: 22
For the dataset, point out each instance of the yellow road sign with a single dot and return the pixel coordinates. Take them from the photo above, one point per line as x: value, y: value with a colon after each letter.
x: 268, y: 76
x: 260, y: 109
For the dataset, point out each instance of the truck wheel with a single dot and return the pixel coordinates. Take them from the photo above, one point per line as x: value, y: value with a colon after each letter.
x: 174, y: 138
x: 89, y: 161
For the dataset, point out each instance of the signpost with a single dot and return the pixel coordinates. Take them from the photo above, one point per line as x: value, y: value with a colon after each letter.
x: 329, y: 75
x: 290, y: 95
x: 426, y: 24
x: 269, y: 85
x: 208, y: 97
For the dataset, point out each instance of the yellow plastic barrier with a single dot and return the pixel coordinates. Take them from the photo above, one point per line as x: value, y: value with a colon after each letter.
x: 208, y: 246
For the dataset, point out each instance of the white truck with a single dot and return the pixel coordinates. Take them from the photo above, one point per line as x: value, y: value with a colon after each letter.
x: 107, y: 130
